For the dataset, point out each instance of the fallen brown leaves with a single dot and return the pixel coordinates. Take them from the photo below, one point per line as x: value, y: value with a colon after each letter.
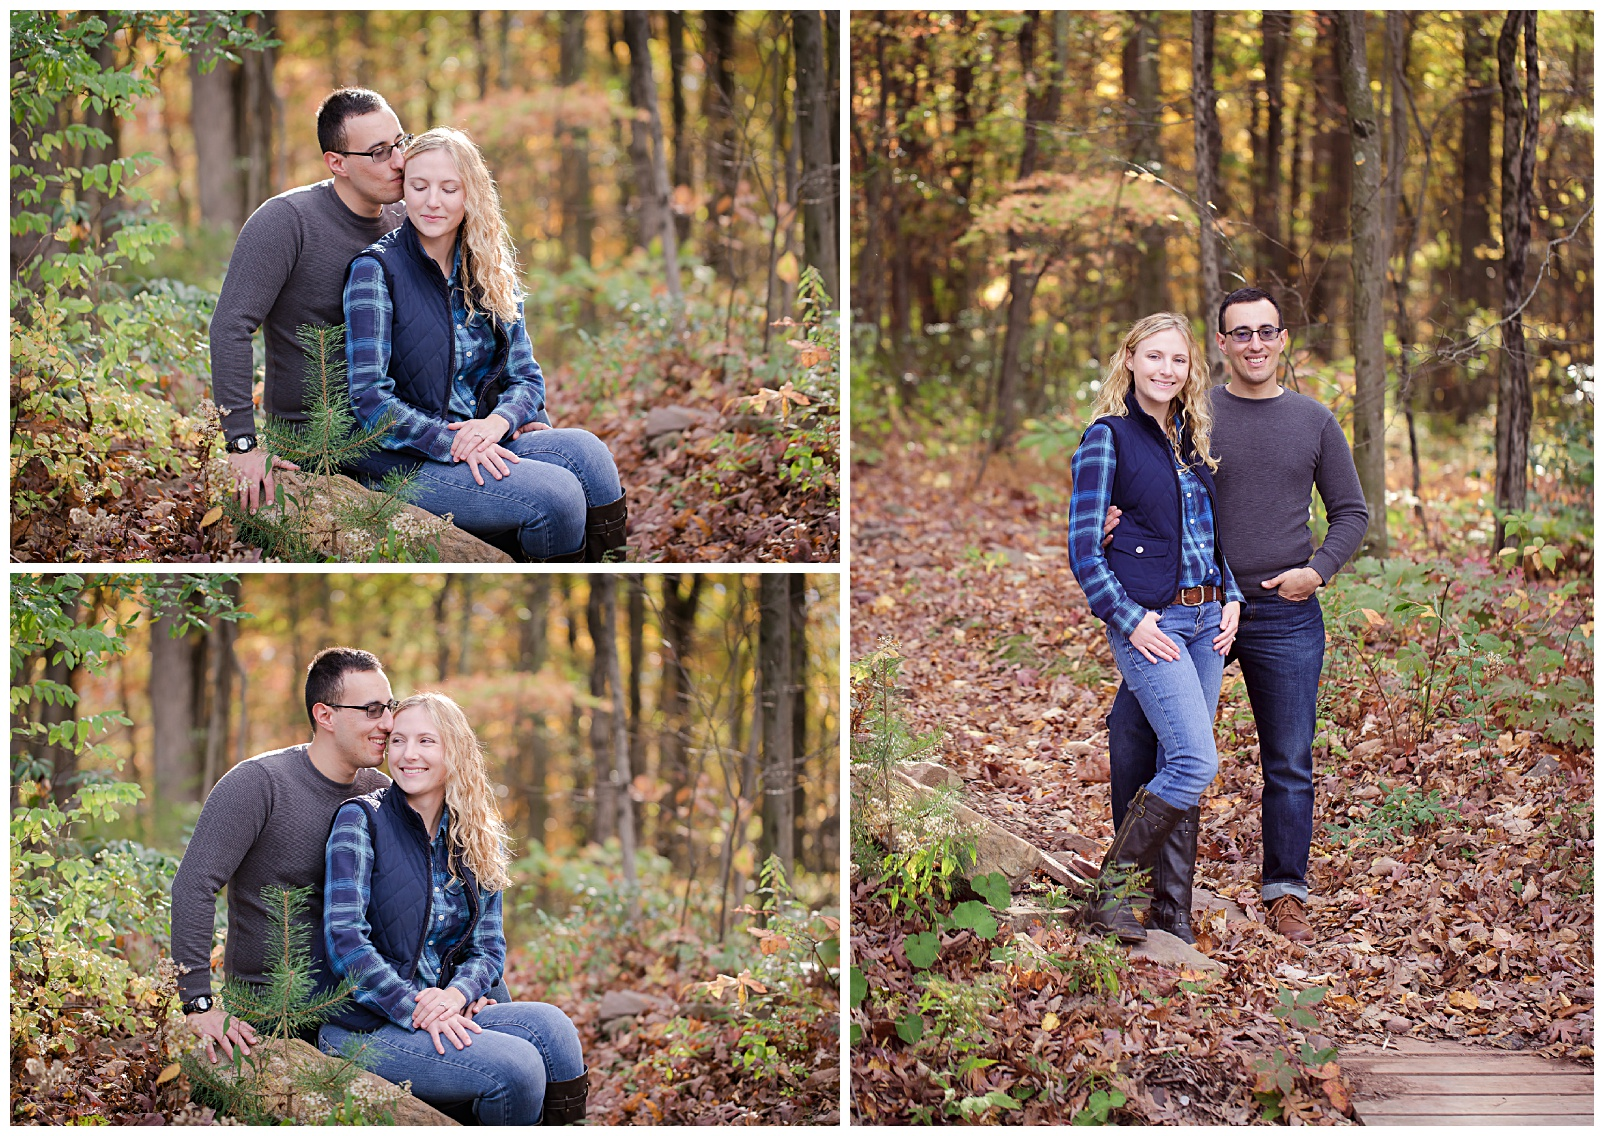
x: 1478, y: 929
x: 712, y: 492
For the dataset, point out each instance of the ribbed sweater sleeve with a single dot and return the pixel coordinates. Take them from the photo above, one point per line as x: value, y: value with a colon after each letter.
x: 1347, y: 516
x: 264, y: 257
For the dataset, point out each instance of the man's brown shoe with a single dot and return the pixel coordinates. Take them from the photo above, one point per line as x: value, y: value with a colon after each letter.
x: 1286, y: 916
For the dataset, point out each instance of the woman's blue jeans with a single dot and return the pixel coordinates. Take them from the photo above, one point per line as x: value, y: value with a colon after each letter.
x: 1280, y: 645
x: 543, y: 498
x: 524, y: 1046
x: 1179, y: 698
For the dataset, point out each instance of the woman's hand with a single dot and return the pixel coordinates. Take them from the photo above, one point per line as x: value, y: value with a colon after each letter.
x: 1230, y: 616
x: 1155, y: 646
x: 455, y: 1028
x: 494, y: 459
x: 476, y: 435
x: 435, y: 1003
x: 531, y: 427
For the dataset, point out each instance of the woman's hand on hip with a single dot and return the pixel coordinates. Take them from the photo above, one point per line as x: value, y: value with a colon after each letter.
x: 1230, y: 616
x: 1155, y: 646
x: 456, y: 1029
x: 476, y: 435
x: 435, y: 1003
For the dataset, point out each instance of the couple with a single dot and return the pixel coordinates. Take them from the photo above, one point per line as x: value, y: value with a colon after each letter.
x: 435, y: 340
x: 406, y: 879
x: 1175, y: 486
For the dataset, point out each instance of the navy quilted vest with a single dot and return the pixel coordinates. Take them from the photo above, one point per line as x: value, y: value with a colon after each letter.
x: 1145, y: 553
x: 399, y: 906
x: 423, y: 348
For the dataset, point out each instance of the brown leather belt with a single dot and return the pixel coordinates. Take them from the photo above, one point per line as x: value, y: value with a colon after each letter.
x: 1202, y: 594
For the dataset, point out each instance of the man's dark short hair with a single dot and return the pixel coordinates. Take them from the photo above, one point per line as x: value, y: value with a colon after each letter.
x: 325, y: 678
x: 347, y: 102
x: 1246, y: 295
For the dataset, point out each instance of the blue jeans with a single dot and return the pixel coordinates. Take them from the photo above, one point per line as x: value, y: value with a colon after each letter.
x: 1179, y: 698
x: 1280, y: 646
x: 504, y: 1072
x: 543, y: 498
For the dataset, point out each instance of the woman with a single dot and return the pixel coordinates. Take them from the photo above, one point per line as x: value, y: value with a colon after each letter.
x: 436, y: 347
x: 412, y: 915
x: 1162, y: 586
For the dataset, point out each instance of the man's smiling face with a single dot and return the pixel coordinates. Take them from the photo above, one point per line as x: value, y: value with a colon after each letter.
x: 359, y: 739
x: 1254, y: 363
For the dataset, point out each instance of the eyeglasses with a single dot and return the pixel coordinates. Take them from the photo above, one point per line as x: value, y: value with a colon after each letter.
x: 380, y: 154
x: 1244, y: 334
x: 373, y: 710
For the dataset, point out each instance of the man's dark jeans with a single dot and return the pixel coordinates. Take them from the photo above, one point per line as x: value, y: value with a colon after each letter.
x: 1280, y: 647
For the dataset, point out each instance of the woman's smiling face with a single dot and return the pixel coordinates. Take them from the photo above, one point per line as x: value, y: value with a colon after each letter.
x: 1159, y: 366
x: 417, y: 757
x: 435, y: 196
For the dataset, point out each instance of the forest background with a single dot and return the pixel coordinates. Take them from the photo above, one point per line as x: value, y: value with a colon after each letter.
x: 702, y: 707
x: 1416, y: 189
x: 668, y: 178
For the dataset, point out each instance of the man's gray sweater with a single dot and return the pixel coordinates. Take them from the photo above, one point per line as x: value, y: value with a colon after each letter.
x: 287, y: 269
x: 1273, y: 452
x: 265, y: 822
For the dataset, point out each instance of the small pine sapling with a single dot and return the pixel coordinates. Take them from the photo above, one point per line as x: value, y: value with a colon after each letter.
x: 281, y: 1008
x: 314, y: 522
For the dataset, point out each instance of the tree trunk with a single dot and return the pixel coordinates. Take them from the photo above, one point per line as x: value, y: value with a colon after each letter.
x: 819, y: 185
x: 1369, y: 279
x: 173, y: 713
x: 1041, y: 106
x: 481, y: 56
x: 504, y: 51
x: 1206, y: 156
x: 804, y: 843
x: 1330, y: 179
x: 99, y: 204
x: 718, y: 110
x: 578, y: 213
x: 605, y: 824
x: 1475, y: 277
x: 1140, y: 83
x: 774, y: 668
x: 534, y: 745
x: 637, y: 651
x: 442, y: 636
x: 607, y: 586
x: 1273, y: 258
x: 1520, y: 161
x: 258, y: 107
x: 674, y: 704
x: 214, y: 120
x: 683, y: 163
x: 221, y: 666
x: 646, y: 145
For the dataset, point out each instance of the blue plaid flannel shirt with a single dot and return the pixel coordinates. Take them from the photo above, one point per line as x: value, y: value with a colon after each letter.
x: 1092, y: 474
x: 347, y: 888
x: 368, y: 316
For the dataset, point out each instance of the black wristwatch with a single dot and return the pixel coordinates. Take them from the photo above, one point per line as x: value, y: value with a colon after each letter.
x: 244, y: 444
x: 198, y: 1005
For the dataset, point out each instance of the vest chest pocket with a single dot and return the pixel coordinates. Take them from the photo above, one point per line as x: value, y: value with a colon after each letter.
x: 1132, y: 555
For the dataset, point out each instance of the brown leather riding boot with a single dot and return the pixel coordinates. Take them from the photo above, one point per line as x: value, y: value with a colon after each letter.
x: 565, y: 1100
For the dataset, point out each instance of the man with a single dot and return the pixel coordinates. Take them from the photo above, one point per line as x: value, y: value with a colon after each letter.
x: 1274, y: 446
x: 266, y: 823
x: 288, y: 269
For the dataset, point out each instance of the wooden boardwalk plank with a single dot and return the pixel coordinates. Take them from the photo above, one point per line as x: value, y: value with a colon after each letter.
x: 1477, y: 1104
x: 1555, y: 1120
x: 1450, y: 1064
x: 1553, y: 1084
x: 1445, y: 1083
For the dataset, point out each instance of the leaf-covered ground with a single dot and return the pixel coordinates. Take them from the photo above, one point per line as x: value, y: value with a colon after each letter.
x: 724, y: 489
x: 1478, y: 928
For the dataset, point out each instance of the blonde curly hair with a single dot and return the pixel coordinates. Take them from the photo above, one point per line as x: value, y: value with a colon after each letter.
x: 1193, y: 398
x: 489, y: 258
x: 478, y: 837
